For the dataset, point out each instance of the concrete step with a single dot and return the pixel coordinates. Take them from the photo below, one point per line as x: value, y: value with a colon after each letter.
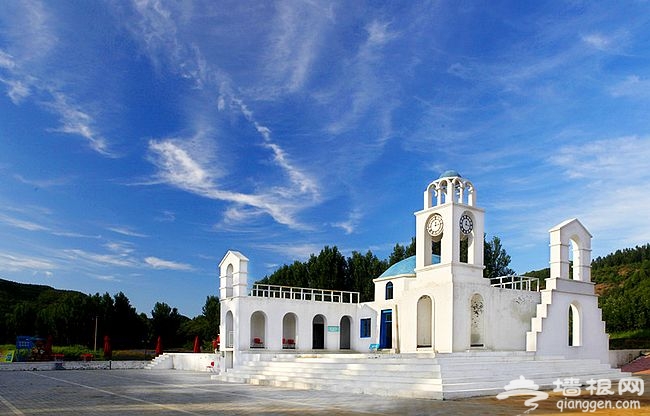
x: 427, y: 376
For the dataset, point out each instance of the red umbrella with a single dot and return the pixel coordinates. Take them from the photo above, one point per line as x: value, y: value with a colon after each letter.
x: 108, y: 351
x: 197, y: 344
x: 159, y: 349
x: 48, y: 347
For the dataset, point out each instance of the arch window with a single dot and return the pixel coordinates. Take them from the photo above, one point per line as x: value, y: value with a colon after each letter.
x: 389, y: 290
x: 424, y: 321
x: 477, y: 310
x: 574, y: 323
x: 258, y: 330
x: 229, y: 273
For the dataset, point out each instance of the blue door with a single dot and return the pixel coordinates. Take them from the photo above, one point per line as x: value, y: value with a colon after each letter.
x: 386, y: 329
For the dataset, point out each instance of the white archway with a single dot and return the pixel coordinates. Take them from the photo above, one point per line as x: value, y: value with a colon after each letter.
x: 289, y: 330
x: 424, y: 322
x: 477, y: 313
x: 574, y: 324
x: 318, y: 325
x: 258, y: 329
x: 345, y: 329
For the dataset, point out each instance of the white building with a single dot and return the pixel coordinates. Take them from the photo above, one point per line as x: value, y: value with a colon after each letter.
x: 429, y: 305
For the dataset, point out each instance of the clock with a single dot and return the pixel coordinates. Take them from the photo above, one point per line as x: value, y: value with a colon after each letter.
x: 466, y: 224
x: 435, y: 225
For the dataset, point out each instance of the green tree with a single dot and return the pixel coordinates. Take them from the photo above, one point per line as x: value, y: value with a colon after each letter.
x: 496, y: 259
x: 327, y: 270
x: 362, y: 269
x: 166, y: 323
x: 127, y: 329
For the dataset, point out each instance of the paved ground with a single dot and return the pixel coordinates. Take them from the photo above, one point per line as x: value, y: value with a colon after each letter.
x: 160, y: 392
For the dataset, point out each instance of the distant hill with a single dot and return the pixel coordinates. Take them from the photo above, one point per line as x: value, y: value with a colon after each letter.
x: 12, y: 293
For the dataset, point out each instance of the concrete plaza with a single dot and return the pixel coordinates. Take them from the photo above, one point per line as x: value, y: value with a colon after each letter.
x: 174, y: 392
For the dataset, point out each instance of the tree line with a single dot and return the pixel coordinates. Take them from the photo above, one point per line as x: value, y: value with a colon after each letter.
x: 332, y: 270
x: 73, y: 318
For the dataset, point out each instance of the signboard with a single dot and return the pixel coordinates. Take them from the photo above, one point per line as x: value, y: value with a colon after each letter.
x: 333, y: 328
x: 7, y: 356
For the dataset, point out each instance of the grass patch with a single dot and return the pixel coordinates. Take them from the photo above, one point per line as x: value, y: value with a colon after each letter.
x: 635, y: 339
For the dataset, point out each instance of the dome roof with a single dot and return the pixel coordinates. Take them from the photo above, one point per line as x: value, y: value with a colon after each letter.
x: 406, y: 266
x: 449, y: 174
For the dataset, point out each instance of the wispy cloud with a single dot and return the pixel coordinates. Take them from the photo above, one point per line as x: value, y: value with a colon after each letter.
x: 22, y: 224
x: 177, y: 168
x: 350, y: 225
x: 100, y: 259
x: 77, y: 122
x: 633, y: 86
x: 127, y: 232
x: 42, y: 183
x: 165, y: 216
x: 292, y: 251
x: 157, y: 263
x: 29, y: 72
x: 20, y: 263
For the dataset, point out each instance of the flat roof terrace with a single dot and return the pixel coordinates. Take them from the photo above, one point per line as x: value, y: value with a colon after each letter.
x: 304, y: 293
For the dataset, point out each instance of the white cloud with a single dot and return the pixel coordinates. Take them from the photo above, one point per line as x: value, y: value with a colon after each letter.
x: 157, y: 263
x: 42, y: 183
x: 25, y: 225
x: 19, y: 263
x: 291, y: 251
x: 378, y: 33
x: 606, y: 189
x: 633, y: 86
x: 350, y: 225
x: 6, y: 60
x: 166, y: 216
x: 597, y: 40
x: 604, y: 161
x: 97, y: 259
x: 177, y: 168
x: 127, y: 231
x: 75, y: 121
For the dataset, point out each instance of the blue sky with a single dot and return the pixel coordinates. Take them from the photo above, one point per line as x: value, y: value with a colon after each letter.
x: 139, y: 141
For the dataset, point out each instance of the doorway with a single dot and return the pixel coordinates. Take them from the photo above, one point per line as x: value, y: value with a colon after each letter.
x: 386, y: 329
x: 318, y: 333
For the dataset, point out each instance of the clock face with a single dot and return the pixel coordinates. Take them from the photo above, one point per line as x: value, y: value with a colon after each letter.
x: 435, y: 225
x: 466, y: 224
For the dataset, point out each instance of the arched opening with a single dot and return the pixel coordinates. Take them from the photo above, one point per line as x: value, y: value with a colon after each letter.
x: 289, y: 328
x: 229, y: 273
x: 344, y: 333
x: 230, y: 340
x: 425, y: 320
x: 230, y: 335
x: 318, y: 332
x: 389, y: 290
x: 477, y: 311
x: 258, y: 329
x: 574, y: 326
x: 574, y: 259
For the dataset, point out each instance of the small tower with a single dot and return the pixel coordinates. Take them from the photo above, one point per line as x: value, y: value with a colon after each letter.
x: 233, y: 275
x: 450, y: 216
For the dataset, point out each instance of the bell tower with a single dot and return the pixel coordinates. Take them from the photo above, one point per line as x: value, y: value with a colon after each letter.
x: 452, y: 224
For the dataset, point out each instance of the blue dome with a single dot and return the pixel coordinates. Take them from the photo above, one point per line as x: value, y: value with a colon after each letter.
x: 449, y: 174
x: 406, y: 266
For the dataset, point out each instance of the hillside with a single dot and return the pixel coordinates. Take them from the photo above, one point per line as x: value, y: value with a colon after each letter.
x: 12, y: 293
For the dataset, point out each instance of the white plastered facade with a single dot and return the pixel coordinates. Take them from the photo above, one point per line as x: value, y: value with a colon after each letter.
x: 422, y: 305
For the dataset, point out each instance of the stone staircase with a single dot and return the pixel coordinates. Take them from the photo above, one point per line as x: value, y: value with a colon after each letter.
x: 432, y: 376
x: 161, y: 362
